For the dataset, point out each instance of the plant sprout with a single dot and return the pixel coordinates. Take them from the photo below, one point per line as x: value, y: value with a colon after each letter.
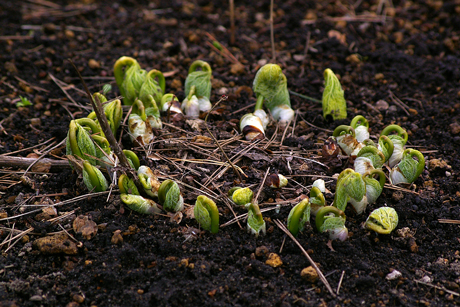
x: 346, y: 138
x: 399, y: 139
x: 252, y: 126
x: 334, y: 103
x: 113, y: 110
x: 276, y: 181
x: 170, y: 103
x: 409, y: 168
x: 170, y: 196
x: 298, y: 216
x: 317, y: 200
x: 350, y: 188
x: 361, y: 126
x: 148, y: 180
x: 93, y: 178
x: 374, y: 188
x: 382, y: 220
x: 332, y: 220
x: 133, y: 159
x: 127, y: 186
x: 197, y: 89
x: 386, y: 146
x: 24, y: 102
x: 368, y: 158
x: 241, y: 196
x: 270, y: 86
x: 140, y: 130
x: 79, y: 141
x: 140, y: 204
x: 152, y: 87
x: 206, y: 213
x: 256, y: 223
x: 129, y: 77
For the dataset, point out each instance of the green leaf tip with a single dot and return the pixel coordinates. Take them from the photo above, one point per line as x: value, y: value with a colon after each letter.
x: 382, y: 220
x: 206, y: 213
x: 270, y: 85
x: 334, y: 103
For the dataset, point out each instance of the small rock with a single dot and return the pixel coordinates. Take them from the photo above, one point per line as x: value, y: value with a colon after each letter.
x: 36, y: 298
x: 117, y: 238
x: 426, y: 279
x: 413, y: 111
x: 454, y: 128
x: 88, y: 228
x: 35, y: 122
x: 274, y: 260
x: 438, y: 163
x: 69, y: 34
x: 309, y: 274
x: 56, y: 244
x: 78, y: 298
x: 393, y: 275
x: 379, y: 76
x: 398, y: 196
x: 237, y: 69
x: 381, y: 105
x: 93, y: 64
x: 140, y: 291
x: 261, y: 251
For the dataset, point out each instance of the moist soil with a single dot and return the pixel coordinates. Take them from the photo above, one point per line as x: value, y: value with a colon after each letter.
x: 398, y: 62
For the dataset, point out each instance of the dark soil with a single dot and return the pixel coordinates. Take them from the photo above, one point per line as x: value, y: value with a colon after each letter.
x: 409, y: 51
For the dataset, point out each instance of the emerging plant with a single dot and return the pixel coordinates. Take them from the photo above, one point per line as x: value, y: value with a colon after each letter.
x: 170, y: 103
x: 240, y: 196
x: 368, y: 158
x: 23, y: 102
x: 198, y: 89
x: 386, y: 146
x: 152, y: 87
x: 382, y: 220
x: 113, y: 110
x: 148, y: 180
x: 139, y: 129
x: 129, y: 77
x: 334, y: 103
x: 409, y: 168
x: 332, y: 220
x: 256, y: 223
x: 93, y: 178
x: 346, y: 139
x: 374, y: 187
x: 317, y: 200
x: 133, y: 159
x: 399, y: 139
x: 252, y: 126
x: 206, y: 213
x: 127, y: 186
x: 140, y: 204
x: 170, y: 196
x: 79, y: 141
x: 270, y: 86
x: 350, y: 188
x: 277, y: 181
x: 361, y: 126
x: 298, y: 216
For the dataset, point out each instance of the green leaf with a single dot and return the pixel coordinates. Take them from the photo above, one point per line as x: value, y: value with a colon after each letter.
x: 24, y: 102
x: 201, y: 79
x: 298, y: 216
x: 256, y: 223
x: 169, y: 195
x: 93, y: 178
x: 140, y: 204
x: 271, y: 84
x: 206, y: 213
x: 152, y: 87
x: 334, y: 103
x: 382, y: 220
x: 241, y: 196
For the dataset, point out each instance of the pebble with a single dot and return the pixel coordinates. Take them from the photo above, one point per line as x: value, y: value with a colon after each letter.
x: 36, y: 298
x: 426, y: 279
x: 117, y: 238
x: 309, y: 274
x: 93, y: 64
x: 56, y: 244
x: 394, y: 275
x: 274, y: 260
x: 261, y: 251
x: 454, y: 128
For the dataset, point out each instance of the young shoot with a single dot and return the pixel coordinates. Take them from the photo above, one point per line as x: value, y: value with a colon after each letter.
x: 154, y: 86
x: 170, y: 104
x: 197, y: 89
x: 256, y: 223
x: 382, y: 220
x: 409, y: 168
x: 386, y: 146
x: 140, y: 130
x: 350, y: 188
x: 252, y: 127
x: 361, y: 126
x: 170, y: 196
x: 332, y: 220
x: 298, y: 216
x: 317, y: 200
x: 276, y: 181
x: 206, y: 214
x: 374, y: 188
x: 368, y: 158
x: 113, y: 110
x: 93, y: 178
x: 334, y: 103
x: 270, y: 86
x: 346, y: 139
x: 129, y: 77
x: 240, y: 196
x: 79, y: 141
x: 140, y: 204
x: 148, y: 180
x: 399, y: 138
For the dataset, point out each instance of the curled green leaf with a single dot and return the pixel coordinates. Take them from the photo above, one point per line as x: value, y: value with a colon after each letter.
x: 256, y: 223
x: 386, y: 146
x: 93, y: 178
x: 140, y: 204
x: 332, y: 220
x: 361, y: 126
x: 200, y: 79
x: 409, y: 168
x: 350, y: 186
x: 369, y: 158
x: 270, y: 86
x: 170, y: 196
x: 399, y: 138
x: 154, y: 85
x: 334, y: 103
x: 129, y: 77
x: 148, y: 180
x: 127, y: 186
x: 80, y: 143
x: 374, y: 187
x: 241, y: 196
x: 298, y: 216
x: 346, y: 139
x: 382, y: 220
x: 206, y: 213
x: 133, y: 159
x: 317, y: 200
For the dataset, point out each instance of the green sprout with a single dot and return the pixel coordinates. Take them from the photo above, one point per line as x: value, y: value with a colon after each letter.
x: 317, y: 200
x: 382, y: 220
x: 152, y: 87
x: 361, y: 126
x: 170, y: 196
x: 133, y: 159
x: 170, y: 103
x: 350, y: 188
x: 332, y: 220
x: 346, y: 139
x: 270, y: 86
x: 298, y: 216
x: 79, y: 141
x: 127, y: 186
x: 148, y: 180
x: 206, y: 213
x: 409, y: 168
x: 241, y: 196
x: 256, y: 223
x: 386, y: 146
x: 140, y: 204
x: 129, y: 77
x: 252, y: 125
x: 374, y: 187
x: 368, y: 158
x: 334, y: 103
x: 199, y: 79
x: 139, y: 130
x: 399, y: 138
x: 276, y: 181
x: 24, y: 102
x: 93, y: 178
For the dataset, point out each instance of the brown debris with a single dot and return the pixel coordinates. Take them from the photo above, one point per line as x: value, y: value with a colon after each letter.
x: 85, y: 226
x: 59, y: 243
